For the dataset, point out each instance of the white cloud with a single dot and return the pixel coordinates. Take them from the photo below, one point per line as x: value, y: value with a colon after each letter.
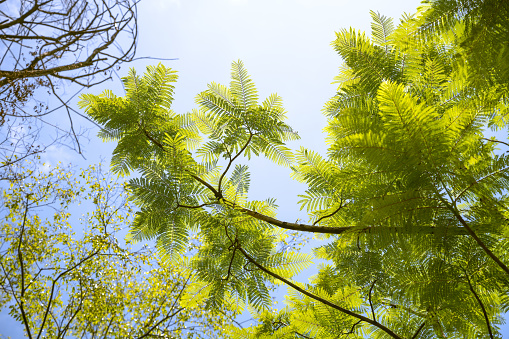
x: 53, y: 155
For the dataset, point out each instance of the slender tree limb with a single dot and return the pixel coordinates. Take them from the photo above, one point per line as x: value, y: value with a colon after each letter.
x: 75, y: 313
x: 22, y: 268
x: 478, y: 240
x: 353, y: 327
x: 302, y: 335
x: 52, y: 292
x: 232, y: 160
x: 107, y: 329
x: 331, y: 214
x: 477, y: 181
x: 341, y: 230
x: 497, y: 141
x: 315, y: 297
x: 481, y: 304
x: 418, y: 330
x: 22, y: 17
x: 168, y: 315
x: 230, y: 266
x: 370, y: 302
x: 195, y: 207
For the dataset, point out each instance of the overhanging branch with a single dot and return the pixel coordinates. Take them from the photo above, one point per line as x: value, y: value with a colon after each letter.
x: 317, y: 298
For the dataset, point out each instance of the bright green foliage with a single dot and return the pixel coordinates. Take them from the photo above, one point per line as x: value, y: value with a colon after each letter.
x: 407, y: 149
x: 59, y: 283
x: 485, y: 40
x: 233, y: 120
x: 174, y: 192
x: 412, y: 195
x: 146, y: 107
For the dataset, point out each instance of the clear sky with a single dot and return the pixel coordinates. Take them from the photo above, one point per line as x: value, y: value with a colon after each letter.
x: 285, y: 46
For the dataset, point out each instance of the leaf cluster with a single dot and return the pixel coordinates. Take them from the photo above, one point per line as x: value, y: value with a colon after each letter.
x: 59, y: 283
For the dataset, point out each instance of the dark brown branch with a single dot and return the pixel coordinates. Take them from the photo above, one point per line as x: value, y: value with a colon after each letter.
x: 168, y: 315
x: 418, y: 330
x: 75, y: 313
x: 23, y: 16
x: 22, y: 268
x: 197, y: 178
x: 478, y: 240
x: 353, y: 327
x: 107, y: 329
x: 195, y: 207
x: 317, y: 298
x: 232, y: 160
x: 477, y: 181
x: 302, y: 335
x: 341, y: 230
x: 497, y: 141
x: 151, y: 138
x: 331, y: 214
x: 371, y: 303
x: 230, y: 266
x: 481, y: 304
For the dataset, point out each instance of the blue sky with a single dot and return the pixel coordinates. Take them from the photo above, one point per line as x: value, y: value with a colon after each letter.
x: 284, y: 44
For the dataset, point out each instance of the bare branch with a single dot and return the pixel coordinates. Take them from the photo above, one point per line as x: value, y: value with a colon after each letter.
x: 22, y: 268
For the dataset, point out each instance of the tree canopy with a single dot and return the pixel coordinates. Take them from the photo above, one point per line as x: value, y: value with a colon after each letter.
x: 411, y: 197
x: 60, y: 280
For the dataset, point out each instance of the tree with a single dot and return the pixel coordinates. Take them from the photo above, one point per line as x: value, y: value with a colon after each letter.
x: 61, y: 284
x: 48, y: 46
x: 484, y: 42
x: 412, y: 197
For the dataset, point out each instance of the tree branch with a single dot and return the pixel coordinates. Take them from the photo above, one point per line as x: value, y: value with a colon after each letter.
x: 497, y: 141
x: 331, y: 214
x: 22, y: 268
x: 370, y: 303
x: 480, y: 303
x: 341, y: 230
x: 231, y: 162
x: 315, y: 297
x: 50, y: 299
x: 418, y: 330
x: 168, y: 315
x: 478, y: 240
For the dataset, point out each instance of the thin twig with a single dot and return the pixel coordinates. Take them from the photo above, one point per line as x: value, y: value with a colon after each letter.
x: 419, y: 330
x: 22, y: 267
x: 331, y: 214
x: 370, y: 303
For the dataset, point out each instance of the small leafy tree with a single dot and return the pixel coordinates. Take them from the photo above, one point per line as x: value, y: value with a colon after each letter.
x: 60, y: 283
x: 412, y: 196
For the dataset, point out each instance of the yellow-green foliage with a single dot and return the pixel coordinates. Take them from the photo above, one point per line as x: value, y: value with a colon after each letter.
x: 67, y: 275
